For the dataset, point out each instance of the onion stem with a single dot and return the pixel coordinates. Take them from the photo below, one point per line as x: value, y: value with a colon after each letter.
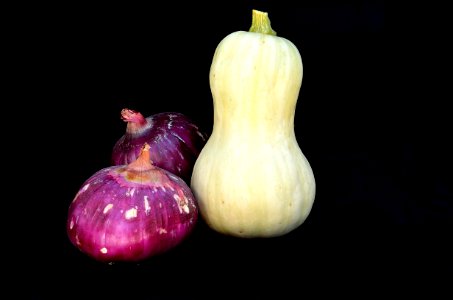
x: 143, y: 161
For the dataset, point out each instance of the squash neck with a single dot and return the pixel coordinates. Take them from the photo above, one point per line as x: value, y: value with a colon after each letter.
x: 261, y: 124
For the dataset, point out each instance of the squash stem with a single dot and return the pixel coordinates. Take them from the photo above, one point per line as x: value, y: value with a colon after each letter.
x: 261, y: 23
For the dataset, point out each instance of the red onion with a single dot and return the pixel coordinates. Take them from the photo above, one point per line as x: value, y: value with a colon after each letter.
x: 174, y: 139
x: 131, y: 212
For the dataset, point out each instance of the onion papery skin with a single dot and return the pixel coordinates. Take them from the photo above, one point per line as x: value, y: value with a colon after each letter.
x: 175, y: 141
x: 123, y: 214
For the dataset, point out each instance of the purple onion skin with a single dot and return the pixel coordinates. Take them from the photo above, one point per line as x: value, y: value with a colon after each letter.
x: 124, y: 215
x: 174, y: 139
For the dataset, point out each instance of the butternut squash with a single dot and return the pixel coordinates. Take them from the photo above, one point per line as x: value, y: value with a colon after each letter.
x: 251, y: 179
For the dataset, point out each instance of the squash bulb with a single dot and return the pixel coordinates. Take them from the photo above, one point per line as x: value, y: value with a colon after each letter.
x: 251, y: 179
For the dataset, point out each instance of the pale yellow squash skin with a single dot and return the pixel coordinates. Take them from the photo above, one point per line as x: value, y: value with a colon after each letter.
x: 251, y: 179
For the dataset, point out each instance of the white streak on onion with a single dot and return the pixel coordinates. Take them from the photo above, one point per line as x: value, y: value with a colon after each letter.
x: 147, y: 207
x: 131, y: 213
x: 107, y: 208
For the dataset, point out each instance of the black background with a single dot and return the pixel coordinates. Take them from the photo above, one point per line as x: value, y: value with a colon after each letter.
x: 382, y: 211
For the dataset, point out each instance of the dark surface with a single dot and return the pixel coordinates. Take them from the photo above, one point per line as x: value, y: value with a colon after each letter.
x: 383, y: 208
